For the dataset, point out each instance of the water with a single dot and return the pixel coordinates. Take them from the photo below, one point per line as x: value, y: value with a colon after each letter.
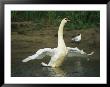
x: 24, y: 45
x: 72, y: 67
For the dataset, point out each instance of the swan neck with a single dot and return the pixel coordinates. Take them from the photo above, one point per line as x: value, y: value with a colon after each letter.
x: 60, y: 31
x: 60, y: 35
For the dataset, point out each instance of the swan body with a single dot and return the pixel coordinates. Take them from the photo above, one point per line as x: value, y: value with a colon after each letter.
x: 76, y: 38
x: 57, y: 54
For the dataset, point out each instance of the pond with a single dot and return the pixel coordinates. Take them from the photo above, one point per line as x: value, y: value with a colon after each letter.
x: 23, y: 45
x: 72, y: 67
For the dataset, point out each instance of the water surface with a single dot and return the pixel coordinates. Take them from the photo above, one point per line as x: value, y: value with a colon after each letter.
x: 72, y: 67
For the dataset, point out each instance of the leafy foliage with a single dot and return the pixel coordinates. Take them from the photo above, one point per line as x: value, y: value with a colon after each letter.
x: 79, y: 19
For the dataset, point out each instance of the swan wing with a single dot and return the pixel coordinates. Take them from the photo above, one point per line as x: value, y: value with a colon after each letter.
x: 75, y: 52
x: 41, y: 53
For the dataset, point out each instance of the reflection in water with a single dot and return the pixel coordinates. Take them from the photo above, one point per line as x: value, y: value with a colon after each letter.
x: 56, y: 72
x: 77, y: 69
x: 78, y: 66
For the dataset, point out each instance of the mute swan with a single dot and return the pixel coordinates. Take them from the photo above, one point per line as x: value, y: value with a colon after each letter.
x: 57, y: 54
x: 76, y: 38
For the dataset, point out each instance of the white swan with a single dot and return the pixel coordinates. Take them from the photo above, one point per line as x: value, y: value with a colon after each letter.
x: 76, y: 38
x: 57, y: 54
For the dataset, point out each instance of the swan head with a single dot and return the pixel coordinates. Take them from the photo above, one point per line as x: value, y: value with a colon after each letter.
x: 65, y: 20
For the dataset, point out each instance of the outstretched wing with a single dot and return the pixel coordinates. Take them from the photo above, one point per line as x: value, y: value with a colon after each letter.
x: 75, y: 52
x: 41, y: 53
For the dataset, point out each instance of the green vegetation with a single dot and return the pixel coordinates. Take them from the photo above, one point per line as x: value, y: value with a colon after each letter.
x: 79, y: 19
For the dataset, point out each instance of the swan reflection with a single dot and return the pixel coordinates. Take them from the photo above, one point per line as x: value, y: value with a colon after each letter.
x: 56, y: 72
